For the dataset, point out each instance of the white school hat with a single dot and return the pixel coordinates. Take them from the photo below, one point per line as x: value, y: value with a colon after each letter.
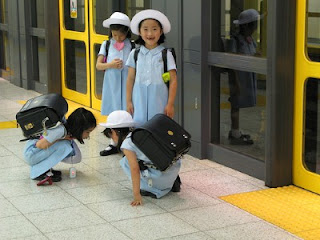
x: 150, y: 14
x: 117, y: 18
x: 119, y: 119
x: 247, y: 16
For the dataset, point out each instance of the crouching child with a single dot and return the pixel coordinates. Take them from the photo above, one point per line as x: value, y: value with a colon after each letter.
x: 146, y: 179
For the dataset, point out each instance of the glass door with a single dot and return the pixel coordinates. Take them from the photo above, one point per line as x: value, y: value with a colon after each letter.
x: 81, y: 35
x: 74, y: 45
x: 306, y: 162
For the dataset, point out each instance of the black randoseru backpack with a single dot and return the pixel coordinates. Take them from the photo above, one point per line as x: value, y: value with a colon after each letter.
x: 162, y: 140
x: 41, y: 113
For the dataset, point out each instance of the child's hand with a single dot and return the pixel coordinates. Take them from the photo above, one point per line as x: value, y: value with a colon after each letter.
x: 116, y: 63
x: 137, y: 200
x: 130, y: 108
x: 169, y: 110
x: 68, y: 137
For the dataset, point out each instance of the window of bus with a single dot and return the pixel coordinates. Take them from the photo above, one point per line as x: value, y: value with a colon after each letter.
x: 243, y: 93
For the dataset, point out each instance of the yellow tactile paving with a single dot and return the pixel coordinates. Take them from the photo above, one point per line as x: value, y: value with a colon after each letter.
x: 8, y: 124
x: 72, y: 107
x: 291, y: 208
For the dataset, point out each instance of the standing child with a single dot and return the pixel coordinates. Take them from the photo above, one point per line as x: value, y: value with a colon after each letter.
x: 243, y: 85
x: 58, y: 145
x: 116, y: 52
x: 146, y: 179
x: 147, y: 93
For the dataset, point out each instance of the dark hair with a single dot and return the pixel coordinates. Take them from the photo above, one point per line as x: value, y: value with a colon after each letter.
x: 121, y: 132
x: 122, y: 28
x: 140, y: 41
x: 79, y: 121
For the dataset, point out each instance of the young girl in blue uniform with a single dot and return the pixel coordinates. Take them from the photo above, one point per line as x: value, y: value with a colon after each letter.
x: 57, y: 145
x: 243, y: 85
x: 146, y: 179
x: 147, y: 93
x: 115, y: 76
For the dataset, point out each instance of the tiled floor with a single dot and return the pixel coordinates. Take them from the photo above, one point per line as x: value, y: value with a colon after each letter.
x: 96, y: 204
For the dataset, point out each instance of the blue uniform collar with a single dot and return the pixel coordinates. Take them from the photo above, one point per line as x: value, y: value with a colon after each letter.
x: 154, y: 51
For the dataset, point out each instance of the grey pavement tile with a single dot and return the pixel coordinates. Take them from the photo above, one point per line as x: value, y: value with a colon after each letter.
x: 98, y: 232
x: 227, y: 188
x: 189, y: 163
x: 100, y: 193
x: 63, y: 219
x: 7, y: 209
x: 12, y: 141
x: 154, y: 227
x: 35, y: 237
x: 7, y: 104
x: 11, y: 161
x: 257, y: 182
x: 213, y: 217
x: 83, y: 179
x: 198, y: 178
x: 11, y: 132
x: 185, y: 199
x: 64, y: 167
x: 24, y: 187
x: 115, y: 174
x: 5, y: 152
x: 191, y: 236
x: 251, y: 231
x: 43, y: 201
x: 121, y: 209
x: 99, y: 163
x: 234, y: 173
x: 14, y: 173
x: 17, y: 226
x: 210, y: 163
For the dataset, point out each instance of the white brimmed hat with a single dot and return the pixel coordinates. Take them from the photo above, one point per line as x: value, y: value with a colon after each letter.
x: 247, y: 16
x: 117, y: 18
x: 150, y: 14
x: 119, y: 119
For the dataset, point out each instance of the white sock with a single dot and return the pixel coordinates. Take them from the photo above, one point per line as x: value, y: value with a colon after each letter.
x: 236, y: 133
x: 111, y: 143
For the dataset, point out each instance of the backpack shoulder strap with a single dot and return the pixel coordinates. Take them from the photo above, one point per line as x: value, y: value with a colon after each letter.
x: 133, y: 45
x: 107, y: 47
x: 164, y: 57
x: 135, y: 56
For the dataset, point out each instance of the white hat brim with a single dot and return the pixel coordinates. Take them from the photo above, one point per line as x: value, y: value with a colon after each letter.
x: 150, y: 14
x: 120, y: 125
x: 106, y: 23
x: 244, y: 21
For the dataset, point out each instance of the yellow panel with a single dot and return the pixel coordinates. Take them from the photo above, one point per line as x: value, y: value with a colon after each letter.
x: 94, y: 39
x: 304, y: 70
x: 291, y: 208
x: 78, y: 36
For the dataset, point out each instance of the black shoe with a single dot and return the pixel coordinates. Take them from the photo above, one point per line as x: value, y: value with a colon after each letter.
x: 113, y: 150
x: 56, y: 172
x: 146, y: 193
x: 176, y: 185
x: 55, y: 178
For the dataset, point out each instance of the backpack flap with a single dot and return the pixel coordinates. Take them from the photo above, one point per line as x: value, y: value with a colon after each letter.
x: 53, y: 100
x: 162, y: 140
x: 169, y: 133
